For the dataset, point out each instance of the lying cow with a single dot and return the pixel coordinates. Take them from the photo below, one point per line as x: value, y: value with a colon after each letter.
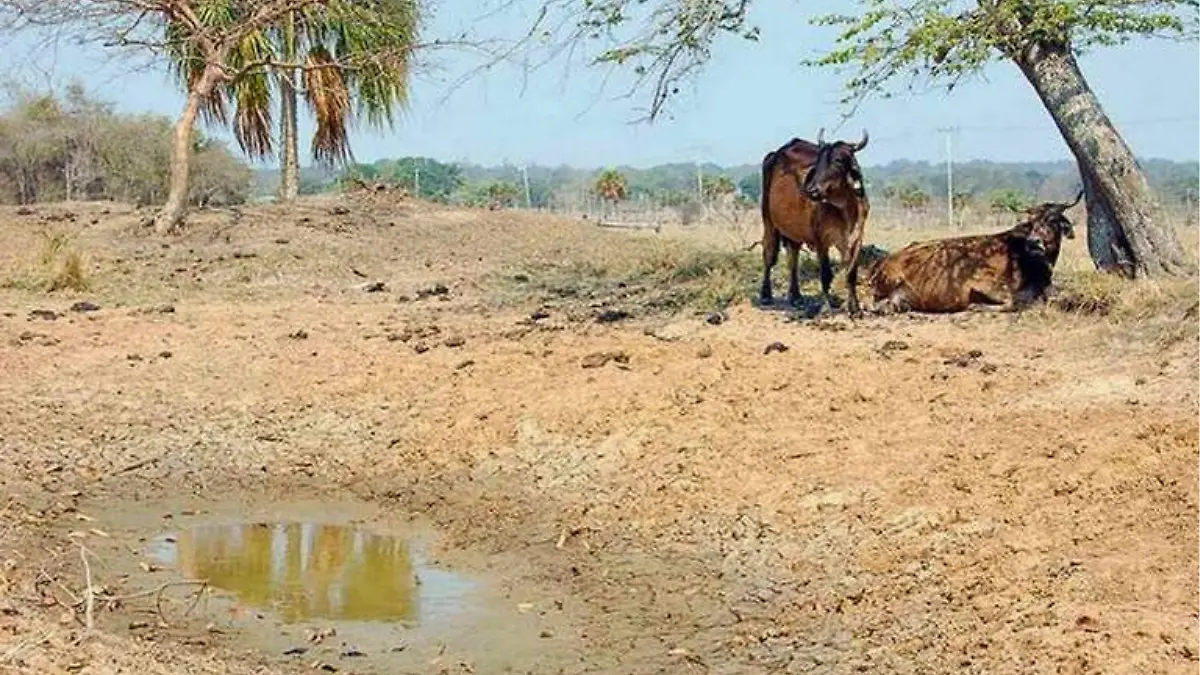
x: 1007, y: 270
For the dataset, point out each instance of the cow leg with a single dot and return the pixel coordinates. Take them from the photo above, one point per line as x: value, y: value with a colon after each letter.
x: 826, y: 278
x: 770, y: 246
x: 793, y: 293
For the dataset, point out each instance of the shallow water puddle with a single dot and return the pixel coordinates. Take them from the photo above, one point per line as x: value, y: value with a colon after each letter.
x: 304, y: 571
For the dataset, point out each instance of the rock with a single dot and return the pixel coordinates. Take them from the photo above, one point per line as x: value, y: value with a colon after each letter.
x: 704, y: 352
x: 455, y: 341
x: 339, y: 211
x: 44, y: 314
x: 599, y: 359
x: 521, y: 278
x: 539, y: 315
x: 715, y: 318
x: 298, y: 334
x: 25, y: 211
x: 420, y: 348
x: 375, y: 287
x: 85, y: 306
x: 775, y: 347
x: 295, y: 651
x: 611, y: 316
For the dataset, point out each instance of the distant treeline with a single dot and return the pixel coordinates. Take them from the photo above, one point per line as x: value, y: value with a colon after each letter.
x: 72, y: 146
x: 909, y: 183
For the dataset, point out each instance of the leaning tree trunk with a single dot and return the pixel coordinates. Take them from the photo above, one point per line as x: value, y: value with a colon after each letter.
x: 171, y: 216
x: 1126, y: 233
x: 289, y: 160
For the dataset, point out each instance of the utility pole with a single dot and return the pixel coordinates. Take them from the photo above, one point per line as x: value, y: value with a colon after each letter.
x: 949, y: 131
x: 525, y: 180
x: 417, y: 179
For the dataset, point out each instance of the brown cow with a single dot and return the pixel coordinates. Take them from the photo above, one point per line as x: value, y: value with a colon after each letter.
x: 813, y: 196
x: 1006, y: 271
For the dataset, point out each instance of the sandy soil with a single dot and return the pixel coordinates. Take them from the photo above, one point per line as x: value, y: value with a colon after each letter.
x: 968, y: 494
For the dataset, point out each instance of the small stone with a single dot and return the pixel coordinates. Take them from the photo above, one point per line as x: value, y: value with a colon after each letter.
x: 420, y: 348
x: 375, y: 287
x: 85, y: 306
x: 611, y: 316
x: 455, y: 341
x: 715, y: 318
x: 704, y: 352
x: 775, y: 347
x: 44, y: 314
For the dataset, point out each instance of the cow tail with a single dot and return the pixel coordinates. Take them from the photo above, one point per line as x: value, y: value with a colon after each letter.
x: 768, y: 166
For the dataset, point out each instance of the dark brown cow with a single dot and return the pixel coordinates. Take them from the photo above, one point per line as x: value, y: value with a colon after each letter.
x: 1006, y: 271
x: 813, y: 196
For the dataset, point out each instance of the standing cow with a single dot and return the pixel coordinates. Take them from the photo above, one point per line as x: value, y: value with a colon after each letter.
x: 813, y: 196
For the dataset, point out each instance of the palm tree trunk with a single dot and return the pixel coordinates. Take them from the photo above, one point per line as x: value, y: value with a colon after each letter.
x: 172, y: 213
x: 289, y: 180
x: 1126, y: 231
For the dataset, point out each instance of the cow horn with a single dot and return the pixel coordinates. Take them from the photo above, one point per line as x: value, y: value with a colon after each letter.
x: 863, y: 143
x: 821, y: 136
x: 1077, y: 198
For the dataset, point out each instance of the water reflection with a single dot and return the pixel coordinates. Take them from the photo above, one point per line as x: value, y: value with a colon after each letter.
x: 308, y: 570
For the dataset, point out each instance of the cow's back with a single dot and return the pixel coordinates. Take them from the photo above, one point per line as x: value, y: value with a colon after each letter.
x: 940, y: 275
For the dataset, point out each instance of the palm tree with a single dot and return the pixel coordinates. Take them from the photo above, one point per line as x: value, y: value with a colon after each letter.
x: 611, y: 187
x: 332, y: 54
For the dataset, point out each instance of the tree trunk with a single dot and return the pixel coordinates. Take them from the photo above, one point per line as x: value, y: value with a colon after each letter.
x: 171, y: 216
x: 1126, y: 233
x: 289, y: 178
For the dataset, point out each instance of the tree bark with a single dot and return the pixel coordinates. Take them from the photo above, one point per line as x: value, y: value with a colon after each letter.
x: 1126, y: 233
x: 171, y: 216
x: 289, y: 169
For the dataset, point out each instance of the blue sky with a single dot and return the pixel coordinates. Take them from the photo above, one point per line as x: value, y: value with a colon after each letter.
x: 751, y: 98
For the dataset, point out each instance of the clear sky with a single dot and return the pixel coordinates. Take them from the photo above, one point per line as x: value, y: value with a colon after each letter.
x: 752, y: 97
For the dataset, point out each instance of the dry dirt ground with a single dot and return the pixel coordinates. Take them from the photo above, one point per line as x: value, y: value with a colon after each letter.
x: 967, y: 494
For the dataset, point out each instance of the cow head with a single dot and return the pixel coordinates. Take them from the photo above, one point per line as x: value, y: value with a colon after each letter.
x: 1052, y: 215
x: 835, y: 170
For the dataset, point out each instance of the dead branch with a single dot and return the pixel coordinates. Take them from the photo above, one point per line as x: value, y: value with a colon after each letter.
x: 89, y: 593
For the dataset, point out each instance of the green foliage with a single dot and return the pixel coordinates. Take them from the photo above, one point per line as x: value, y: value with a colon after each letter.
x: 941, y: 41
x: 909, y: 195
x: 502, y: 194
x: 610, y: 186
x: 438, y: 181
x: 717, y: 187
x: 751, y: 186
x: 1008, y: 200
x: 55, y: 146
x: 674, y: 185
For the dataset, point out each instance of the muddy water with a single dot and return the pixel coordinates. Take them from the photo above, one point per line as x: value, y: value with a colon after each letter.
x: 303, y: 571
x: 341, y: 584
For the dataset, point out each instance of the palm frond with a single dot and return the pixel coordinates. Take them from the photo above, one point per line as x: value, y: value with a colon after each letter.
x: 328, y: 97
